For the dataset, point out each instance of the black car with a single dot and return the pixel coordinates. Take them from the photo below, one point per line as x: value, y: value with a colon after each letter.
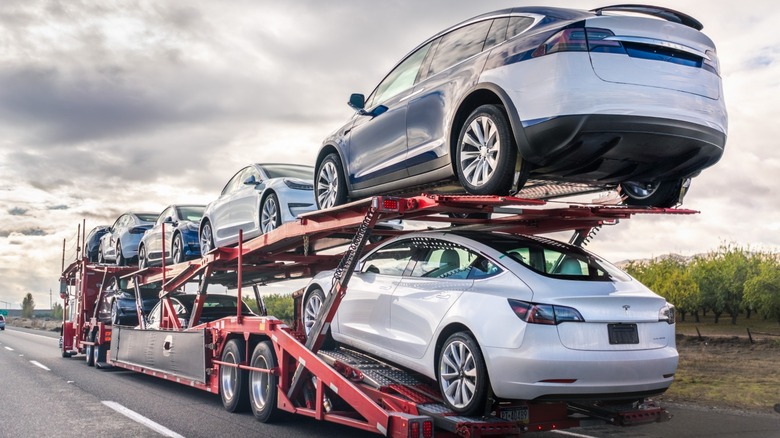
x: 118, y: 303
x: 92, y: 242
x: 214, y: 307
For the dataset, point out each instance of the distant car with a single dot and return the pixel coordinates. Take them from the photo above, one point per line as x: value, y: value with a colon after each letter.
x: 120, y: 243
x: 181, y: 236
x: 598, y: 97
x: 2, y: 322
x: 257, y: 199
x: 519, y: 317
x: 92, y: 245
x: 118, y: 305
x: 214, y: 307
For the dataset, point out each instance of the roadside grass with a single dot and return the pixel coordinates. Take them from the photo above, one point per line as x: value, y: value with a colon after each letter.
x: 723, y: 368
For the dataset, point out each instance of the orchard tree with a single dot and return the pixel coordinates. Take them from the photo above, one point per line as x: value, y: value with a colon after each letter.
x: 670, y: 278
x: 28, y: 305
x: 704, y: 270
x: 763, y: 290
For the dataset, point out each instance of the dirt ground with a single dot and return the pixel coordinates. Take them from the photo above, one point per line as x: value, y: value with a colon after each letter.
x: 35, y: 323
x: 727, y: 372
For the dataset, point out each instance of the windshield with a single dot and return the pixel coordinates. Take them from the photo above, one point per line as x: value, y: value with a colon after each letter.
x: 191, y: 213
x: 551, y: 258
x: 288, y: 171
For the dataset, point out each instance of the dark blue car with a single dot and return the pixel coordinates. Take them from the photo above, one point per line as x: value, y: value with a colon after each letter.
x: 181, y: 236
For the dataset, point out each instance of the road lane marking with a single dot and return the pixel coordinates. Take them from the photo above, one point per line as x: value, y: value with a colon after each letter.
x: 55, y: 338
x: 39, y: 365
x: 576, y: 435
x: 135, y: 416
x: 9, y: 348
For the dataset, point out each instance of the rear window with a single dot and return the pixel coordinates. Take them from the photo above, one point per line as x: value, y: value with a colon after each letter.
x: 147, y: 217
x: 552, y: 258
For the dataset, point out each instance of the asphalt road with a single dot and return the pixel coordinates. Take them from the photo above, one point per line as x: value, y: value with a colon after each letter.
x: 42, y: 394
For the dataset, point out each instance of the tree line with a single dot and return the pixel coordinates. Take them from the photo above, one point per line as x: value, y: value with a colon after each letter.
x: 731, y: 280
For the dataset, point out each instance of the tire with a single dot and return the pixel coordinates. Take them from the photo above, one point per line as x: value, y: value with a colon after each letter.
x: 101, y: 258
x: 485, y: 163
x: 270, y: 214
x: 462, y: 375
x: 330, y: 185
x: 664, y: 194
x: 90, y: 357
x: 177, y: 252
x: 263, y: 387
x: 206, y: 238
x: 120, y: 260
x: 311, y: 308
x: 143, y: 262
x: 99, y: 354
x: 233, y: 387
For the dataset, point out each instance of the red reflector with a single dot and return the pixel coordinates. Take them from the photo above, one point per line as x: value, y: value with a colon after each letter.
x: 414, y: 429
x: 558, y: 381
x: 390, y: 204
x: 428, y: 429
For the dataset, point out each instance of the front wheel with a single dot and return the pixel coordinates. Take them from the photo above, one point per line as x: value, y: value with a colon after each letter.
x: 120, y: 260
x: 311, y: 309
x: 463, y: 378
x: 114, y: 313
x: 233, y: 380
x: 206, y: 239
x: 330, y: 185
x: 89, y: 355
x: 664, y: 194
x: 270, y: 214
x: 263, y: 386
x: 142, y: 260
x: 178, y: 249
x: 486, y: 153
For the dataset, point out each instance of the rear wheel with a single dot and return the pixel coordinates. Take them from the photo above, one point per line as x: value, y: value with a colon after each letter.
x: 270, y: 214
x: 263, y: 386
x: 330, y: 186
x: 662, y: 194
x: 206, y: 239
x: 88, y: 352
x: 232, y: 380
x: 486, y: 153
x: 178, y: 249
x: 99, y: 354
x: 463, y: 378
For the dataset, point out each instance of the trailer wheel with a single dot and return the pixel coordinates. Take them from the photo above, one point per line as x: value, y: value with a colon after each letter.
x: 463, y: 378
x: 233, y: 381
x: 99, y: 354
x: 88, y: 352
x: 263, y: 387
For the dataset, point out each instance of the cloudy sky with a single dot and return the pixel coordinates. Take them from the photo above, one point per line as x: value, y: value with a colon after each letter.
x: 112, y: 106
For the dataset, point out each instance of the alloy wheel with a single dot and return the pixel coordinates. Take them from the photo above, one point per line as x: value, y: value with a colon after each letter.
x: 480, y: 151
x: 327, y: 185
x: 269, y: 216
x: 458, y: 374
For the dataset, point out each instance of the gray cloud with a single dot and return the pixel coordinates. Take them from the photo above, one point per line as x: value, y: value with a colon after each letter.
x: 16, y: 211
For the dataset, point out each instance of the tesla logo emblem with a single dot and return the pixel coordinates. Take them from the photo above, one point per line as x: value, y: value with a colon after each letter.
x: 626, y: 307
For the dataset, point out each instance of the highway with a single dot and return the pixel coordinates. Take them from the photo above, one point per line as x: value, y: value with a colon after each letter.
x: 46, y: 395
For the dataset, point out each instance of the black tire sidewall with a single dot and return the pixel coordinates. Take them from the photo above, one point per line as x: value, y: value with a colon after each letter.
x: 501, y: 181
x: 666, y: 195
x: 268, y: 412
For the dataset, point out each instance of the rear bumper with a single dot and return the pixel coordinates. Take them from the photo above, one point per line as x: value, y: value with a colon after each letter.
x: 616, y: 148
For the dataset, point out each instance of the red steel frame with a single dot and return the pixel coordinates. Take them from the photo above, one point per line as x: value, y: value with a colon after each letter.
x: 387, y: 411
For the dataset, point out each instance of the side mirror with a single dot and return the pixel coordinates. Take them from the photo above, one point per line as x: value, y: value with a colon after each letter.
x: 357, y: 101
x: 168, y: 220
x: 251, y: 181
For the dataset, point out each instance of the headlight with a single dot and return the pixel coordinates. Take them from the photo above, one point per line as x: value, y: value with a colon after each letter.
x: 297, y: 185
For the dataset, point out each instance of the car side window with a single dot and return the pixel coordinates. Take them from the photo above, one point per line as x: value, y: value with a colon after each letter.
x: 402, y: 78
x: 442, y: 259
x: 234, y: 182
x: 497, y: 34
x: 518, y: 25
x: 167, y: 212
x: 390, y: 260
x: 459, y: 45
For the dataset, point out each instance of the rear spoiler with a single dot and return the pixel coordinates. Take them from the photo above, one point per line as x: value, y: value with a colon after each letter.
x: 656, y: 11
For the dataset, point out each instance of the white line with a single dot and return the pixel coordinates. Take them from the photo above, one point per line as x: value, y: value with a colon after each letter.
x: 34, y: 334
x: 135, y: 416
x: 578, y: 435
x: 39, y: 365
x: 9, y: 348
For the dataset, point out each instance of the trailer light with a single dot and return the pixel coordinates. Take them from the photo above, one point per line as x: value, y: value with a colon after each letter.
x: 390, y: 204
x: 427, y: 429
x: 414, y: 429
x: 533, y: 313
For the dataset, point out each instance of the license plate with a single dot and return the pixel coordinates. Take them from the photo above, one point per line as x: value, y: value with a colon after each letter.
x: 623, y: 334
x: 516, y: 414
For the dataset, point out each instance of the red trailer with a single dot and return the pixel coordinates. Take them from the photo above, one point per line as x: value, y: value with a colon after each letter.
x: 262, y: 362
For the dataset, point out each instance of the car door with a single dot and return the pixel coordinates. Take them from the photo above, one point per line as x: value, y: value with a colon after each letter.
x: 153, y: 240
x: 109, y: 249
x: 219, y: 209
x: 245, y: 203
x: 442, y: 272
x: 364, y: 312
x: 376, y: 147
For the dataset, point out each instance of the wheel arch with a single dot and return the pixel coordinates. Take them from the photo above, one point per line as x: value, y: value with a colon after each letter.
x: 324, y: 152
x: 484, y: 94
x: 445, y: 333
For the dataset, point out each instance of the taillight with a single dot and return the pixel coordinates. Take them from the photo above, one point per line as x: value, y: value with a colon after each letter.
x: 667, y: 313
x: 580, y: 39
x: 534, y: 313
